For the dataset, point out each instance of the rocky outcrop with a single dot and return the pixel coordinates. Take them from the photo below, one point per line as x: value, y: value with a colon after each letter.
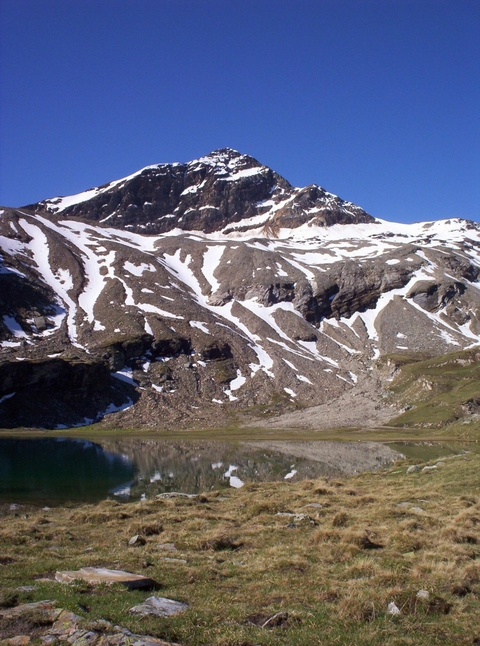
x: 43, y: 620
x: 209, y: 194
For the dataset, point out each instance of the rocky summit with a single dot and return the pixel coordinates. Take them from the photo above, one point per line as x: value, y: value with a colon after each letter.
x: 212, y: 292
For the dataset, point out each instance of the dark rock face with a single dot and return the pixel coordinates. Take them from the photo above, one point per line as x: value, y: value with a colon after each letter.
x: 207, y: 195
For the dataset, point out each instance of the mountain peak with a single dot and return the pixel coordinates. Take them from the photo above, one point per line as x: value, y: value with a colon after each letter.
x: 224, y: 191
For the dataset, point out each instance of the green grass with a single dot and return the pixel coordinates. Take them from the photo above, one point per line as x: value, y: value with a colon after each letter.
x: 435, y: 391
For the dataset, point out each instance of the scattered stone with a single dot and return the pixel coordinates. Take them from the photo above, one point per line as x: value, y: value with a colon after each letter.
x: 419, y: 510
x: 69, y: 628
x: 296, y: 517
x: 167, y: 546
x: 103, y: 575
x: 26, y: 588
x: 159, y: 607
x: 137, y: 541
x: 430, y: 468
x: 423, y: 594
x: 392, y: 609
x: 175, y: 494
x: 413, y: 469
x: 314, y: 505
x: 402, y: 505
x: 170, y: 560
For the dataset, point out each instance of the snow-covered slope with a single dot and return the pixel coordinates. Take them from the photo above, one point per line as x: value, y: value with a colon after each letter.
x: 251, y: 314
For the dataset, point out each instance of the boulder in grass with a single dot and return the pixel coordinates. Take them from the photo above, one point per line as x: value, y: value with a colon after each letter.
x: 159, y: 607
x: 96, y: 575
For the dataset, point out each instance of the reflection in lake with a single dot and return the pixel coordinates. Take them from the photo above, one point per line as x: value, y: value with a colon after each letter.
x: 53, y: 470
x: 56, y: 470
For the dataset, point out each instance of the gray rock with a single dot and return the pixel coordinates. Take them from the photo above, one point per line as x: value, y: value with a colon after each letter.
x: 423, y: 594
x: 159, y: 607
x: 167, y: 546
x: 392, y: 609
x: 103, y: 575
x: 137, y: 541
x: 413, y: 469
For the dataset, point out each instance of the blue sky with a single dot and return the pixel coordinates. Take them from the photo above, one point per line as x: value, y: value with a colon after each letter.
x: 377, y: 101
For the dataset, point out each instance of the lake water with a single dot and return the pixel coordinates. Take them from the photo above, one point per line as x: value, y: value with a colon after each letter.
x: 49, y: 471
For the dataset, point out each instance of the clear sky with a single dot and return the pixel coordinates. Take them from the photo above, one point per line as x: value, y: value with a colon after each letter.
x: 377, y: 101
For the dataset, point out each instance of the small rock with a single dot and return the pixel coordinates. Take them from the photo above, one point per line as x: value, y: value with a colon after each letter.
x: 26, y: 588
x: 159, y: 607
x: 419, y: 510
x: 392, y: 609
x: 413, y: 469
x: 430, y: 468
x: 423, y: 594
x: 170, y: 560
x: 314, y: 505
x: 167, y: 546
x: 402, y: 505
x: 137, y: 541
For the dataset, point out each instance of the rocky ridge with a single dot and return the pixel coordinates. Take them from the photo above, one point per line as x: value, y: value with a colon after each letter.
x: 194, y: 294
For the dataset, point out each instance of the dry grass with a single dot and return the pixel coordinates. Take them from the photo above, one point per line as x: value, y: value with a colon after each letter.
x: 376, y: 538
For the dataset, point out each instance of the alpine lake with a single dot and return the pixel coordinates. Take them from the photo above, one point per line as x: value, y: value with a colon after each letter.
x: 53, y: 470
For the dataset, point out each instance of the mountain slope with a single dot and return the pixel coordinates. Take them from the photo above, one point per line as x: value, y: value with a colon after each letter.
x: 215, y: 289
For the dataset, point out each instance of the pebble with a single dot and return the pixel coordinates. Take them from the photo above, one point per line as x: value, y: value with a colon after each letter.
x: 392, y: 609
